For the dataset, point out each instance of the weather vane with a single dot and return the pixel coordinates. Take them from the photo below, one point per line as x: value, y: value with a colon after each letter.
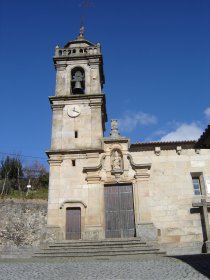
x: 86, y: 4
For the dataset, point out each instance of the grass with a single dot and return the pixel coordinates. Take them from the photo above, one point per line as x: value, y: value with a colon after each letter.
x: 41, y: 193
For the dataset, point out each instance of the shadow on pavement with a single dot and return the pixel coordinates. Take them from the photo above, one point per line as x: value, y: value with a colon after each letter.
x: 199, y: 262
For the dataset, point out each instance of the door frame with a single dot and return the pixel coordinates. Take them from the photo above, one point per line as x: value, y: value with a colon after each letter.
x: 69, y: 224
x: 72, y: 204
x: 134, y: 208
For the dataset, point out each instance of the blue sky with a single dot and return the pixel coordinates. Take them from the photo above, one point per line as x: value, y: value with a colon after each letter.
x: 156, y: 63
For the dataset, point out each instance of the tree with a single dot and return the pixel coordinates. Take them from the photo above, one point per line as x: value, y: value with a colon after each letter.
x: 14, y: 177
x: 38, y: 175
x: 11, y: 171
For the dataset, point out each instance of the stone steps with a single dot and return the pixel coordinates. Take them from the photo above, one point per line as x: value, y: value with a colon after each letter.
x: 107, y: 242
x: 101, y: 248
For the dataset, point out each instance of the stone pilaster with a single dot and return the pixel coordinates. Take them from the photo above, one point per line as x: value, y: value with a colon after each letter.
x: 96, y: 123
x: 60, y: 79
x: 57, y: 124
x: 54, y: 190
x: 95, y: 84
x: 144, y: 227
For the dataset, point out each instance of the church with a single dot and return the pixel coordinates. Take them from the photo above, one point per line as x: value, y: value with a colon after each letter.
x: 106, y: 187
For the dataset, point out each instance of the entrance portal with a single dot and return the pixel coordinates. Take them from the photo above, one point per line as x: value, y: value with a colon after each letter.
x: 73, y: 223
x: 119, y: 212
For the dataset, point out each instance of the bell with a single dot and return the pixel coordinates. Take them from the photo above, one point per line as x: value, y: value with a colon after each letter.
x: 78, y: 88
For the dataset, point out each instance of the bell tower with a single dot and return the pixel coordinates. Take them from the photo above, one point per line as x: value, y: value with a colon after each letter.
x: 78, y: 124
x: 79, y: 112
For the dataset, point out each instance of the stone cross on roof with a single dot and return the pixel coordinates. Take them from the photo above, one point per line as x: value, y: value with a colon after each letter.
x: 81, y: 30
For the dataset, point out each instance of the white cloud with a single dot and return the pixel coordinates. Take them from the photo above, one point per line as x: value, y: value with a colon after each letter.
x: 207, y: 113
x: 131, y: 120
x: 160, y: 132
x: 184, y: 132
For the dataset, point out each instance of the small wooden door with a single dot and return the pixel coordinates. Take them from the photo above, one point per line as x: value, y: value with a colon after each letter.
x: 119, y: 212
x: 73, y: 223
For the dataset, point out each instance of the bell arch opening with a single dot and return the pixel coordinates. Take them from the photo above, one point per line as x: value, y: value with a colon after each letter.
x: 77, y: 80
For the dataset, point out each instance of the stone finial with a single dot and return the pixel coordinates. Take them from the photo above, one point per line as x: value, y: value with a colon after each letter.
x: 81, y: 31
x: 114, y: 129
x: 57, y: 50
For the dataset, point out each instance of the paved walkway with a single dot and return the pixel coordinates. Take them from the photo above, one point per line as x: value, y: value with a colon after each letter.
x: 158, y: 268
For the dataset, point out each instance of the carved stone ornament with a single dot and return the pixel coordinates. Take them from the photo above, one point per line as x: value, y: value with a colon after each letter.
x: 114, y: 129
x: 179, y: 150
x: 116, y: 164
x: 142, y: 170
x: 72, y: 202
x: 157, y: 151
x: 197, y: 151
x: 93, y: 172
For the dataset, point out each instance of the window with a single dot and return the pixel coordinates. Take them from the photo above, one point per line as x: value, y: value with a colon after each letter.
x: 198, y: 184
x: 73, y: 162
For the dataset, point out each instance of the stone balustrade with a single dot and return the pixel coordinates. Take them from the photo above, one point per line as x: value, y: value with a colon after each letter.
x: 78, y: 51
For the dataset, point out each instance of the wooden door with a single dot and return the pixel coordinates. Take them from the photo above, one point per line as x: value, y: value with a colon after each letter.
x: 119, y: 212
x: 73, y: 223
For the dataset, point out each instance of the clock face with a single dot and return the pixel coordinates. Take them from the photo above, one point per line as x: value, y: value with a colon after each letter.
x: 74, y: 111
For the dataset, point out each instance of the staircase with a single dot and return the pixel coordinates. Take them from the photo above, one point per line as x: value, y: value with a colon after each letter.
x: 100, y: 248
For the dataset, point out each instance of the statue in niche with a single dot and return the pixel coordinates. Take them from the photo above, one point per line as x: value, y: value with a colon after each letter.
x: 116, y: 161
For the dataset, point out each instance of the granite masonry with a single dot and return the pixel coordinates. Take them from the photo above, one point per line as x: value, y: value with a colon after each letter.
x: 106, y: 187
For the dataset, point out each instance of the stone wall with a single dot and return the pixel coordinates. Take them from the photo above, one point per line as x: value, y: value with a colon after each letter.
x: 170, y: 196
x: 22, y: 223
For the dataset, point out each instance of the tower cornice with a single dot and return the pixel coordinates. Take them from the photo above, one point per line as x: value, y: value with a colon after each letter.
x: 77, y: 97
x: 93, y: 99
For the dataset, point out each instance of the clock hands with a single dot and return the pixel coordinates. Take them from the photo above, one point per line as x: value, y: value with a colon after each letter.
x: 74, y: 110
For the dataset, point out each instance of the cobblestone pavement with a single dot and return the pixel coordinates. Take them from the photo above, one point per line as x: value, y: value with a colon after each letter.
x: 158, y: 268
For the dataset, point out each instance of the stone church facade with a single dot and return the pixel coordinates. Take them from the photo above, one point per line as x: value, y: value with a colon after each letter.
x: 106, y: 187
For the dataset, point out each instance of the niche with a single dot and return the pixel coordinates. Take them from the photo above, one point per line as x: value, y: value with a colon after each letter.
x: 116, y: 160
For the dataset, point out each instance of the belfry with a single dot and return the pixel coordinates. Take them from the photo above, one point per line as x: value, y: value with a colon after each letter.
x: 106, y: 187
